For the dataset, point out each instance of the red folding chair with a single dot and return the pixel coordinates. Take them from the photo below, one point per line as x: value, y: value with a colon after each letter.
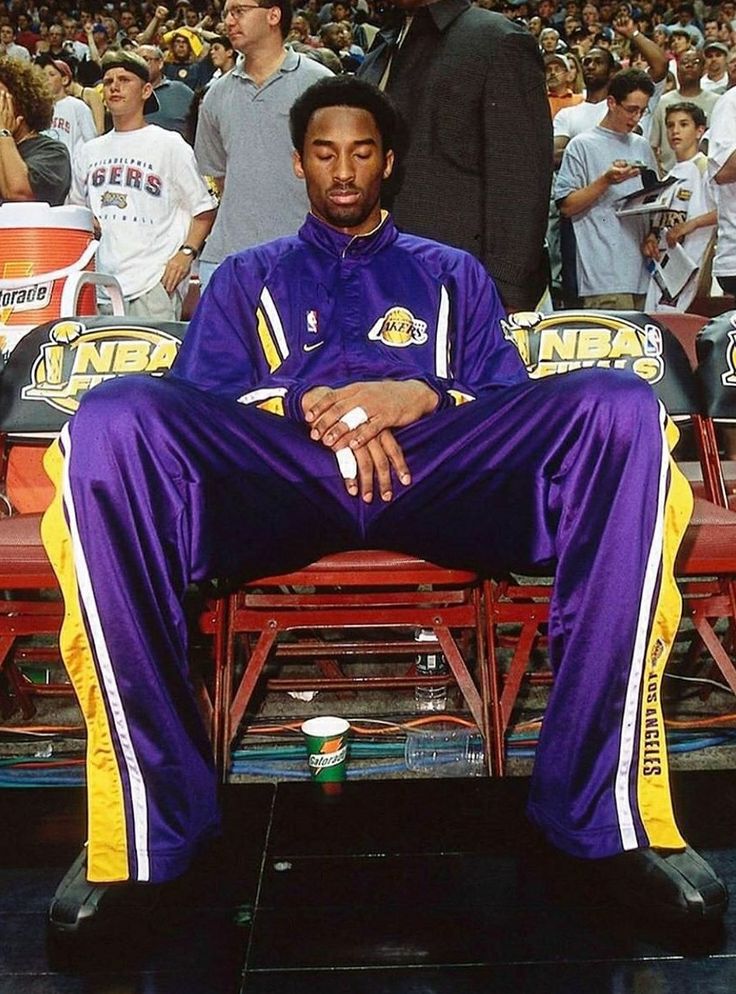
x: 372, y: 602
x: 706, y: 565
x: 44, y: 378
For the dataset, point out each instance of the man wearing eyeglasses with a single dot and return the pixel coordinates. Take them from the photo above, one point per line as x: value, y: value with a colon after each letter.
x: 598, y: 168
x: 242, y: 135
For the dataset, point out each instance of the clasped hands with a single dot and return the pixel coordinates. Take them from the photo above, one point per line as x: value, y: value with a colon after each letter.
x: 360, y: 418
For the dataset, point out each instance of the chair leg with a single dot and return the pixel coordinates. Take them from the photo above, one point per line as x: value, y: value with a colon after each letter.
x: 7, y: 706
x: 254, y: 668
x: 461, y: 673
x: 517, y: 668
x: 232, y: 696
x: 484, y: 679
x: 711, y: 641
x: 497, y: 730
x: 216, y: 623
x: 20, y: 688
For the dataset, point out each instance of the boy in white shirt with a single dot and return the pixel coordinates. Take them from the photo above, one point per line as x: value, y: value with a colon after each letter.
x: 690, y: 219
x: 143, y: 186
x: 72, y: 122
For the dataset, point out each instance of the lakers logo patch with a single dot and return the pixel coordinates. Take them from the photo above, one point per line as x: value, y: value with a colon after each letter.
x: 657, y: 651
x: 398, y: 327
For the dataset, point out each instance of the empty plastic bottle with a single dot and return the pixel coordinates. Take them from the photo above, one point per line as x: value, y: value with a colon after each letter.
x: 430, y: 664
x: 454, y: 752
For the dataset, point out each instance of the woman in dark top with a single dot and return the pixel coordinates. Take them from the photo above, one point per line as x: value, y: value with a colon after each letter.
x: 32, y: 166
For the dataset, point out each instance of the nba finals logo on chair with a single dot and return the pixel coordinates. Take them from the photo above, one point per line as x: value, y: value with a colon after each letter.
x: 567, y: 340
x: 75, y: 357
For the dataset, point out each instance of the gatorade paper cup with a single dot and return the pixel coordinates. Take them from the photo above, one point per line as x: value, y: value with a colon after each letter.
x: 327, y: 746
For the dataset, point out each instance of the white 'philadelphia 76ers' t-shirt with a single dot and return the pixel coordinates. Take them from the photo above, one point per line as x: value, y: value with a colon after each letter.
x: 143, y: 187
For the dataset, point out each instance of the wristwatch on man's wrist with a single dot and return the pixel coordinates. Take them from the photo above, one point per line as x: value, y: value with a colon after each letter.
x: 189, y: 250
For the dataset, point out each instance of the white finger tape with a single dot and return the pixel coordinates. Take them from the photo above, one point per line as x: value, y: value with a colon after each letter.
x: 354, y: 417
x: 347, y: 463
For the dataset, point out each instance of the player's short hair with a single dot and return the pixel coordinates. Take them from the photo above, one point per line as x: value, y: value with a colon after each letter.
x: 348, y: 91
x: 692, y: 110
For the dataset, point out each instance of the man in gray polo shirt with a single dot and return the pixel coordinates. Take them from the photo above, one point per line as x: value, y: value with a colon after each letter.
x: 243, y: 132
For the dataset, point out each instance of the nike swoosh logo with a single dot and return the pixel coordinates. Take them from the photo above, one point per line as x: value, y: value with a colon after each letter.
x: 313, y: 346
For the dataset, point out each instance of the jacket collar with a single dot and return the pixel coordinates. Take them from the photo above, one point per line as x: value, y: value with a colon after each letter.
x: 338, y: 244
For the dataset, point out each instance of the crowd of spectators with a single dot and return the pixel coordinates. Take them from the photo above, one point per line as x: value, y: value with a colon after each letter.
x: 687, y: 49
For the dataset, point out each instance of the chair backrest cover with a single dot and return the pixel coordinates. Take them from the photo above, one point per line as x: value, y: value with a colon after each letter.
x: 716, y: 345
x: 54, y: 365
x: 564, y: 341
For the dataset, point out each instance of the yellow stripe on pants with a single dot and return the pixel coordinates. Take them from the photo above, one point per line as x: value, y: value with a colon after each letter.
x: 107, y: 856
x: 653, y: 780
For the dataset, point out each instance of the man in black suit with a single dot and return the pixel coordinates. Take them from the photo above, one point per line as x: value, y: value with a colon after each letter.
x: 471, y: 85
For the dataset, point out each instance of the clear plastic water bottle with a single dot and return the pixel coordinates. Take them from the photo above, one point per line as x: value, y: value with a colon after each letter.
x: 454, y: 752
x: 429, y: 664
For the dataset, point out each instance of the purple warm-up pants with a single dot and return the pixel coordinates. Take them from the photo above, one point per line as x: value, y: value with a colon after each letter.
x: 160, y: 485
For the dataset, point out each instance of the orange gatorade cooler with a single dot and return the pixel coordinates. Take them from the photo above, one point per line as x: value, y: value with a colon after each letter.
x: 42, y: 252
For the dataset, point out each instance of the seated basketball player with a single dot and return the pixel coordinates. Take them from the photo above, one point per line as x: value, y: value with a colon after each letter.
x: 350, y: 387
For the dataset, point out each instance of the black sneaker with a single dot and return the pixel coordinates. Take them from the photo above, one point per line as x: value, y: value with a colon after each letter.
x: 79, y: 907
x: 674, y: 885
